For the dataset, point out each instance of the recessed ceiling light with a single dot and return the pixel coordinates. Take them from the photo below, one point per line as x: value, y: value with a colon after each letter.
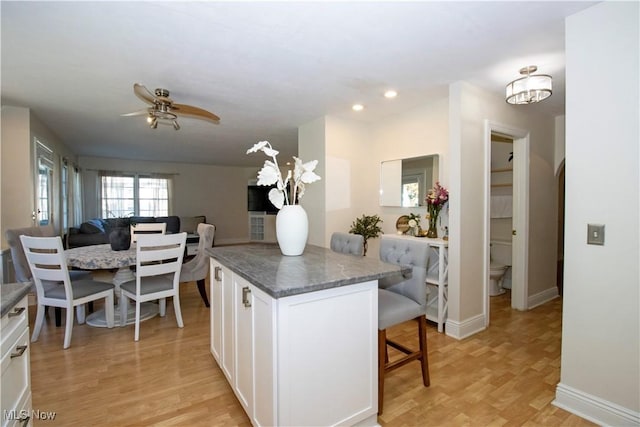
x: 358, y: 107
x: 390, y: 93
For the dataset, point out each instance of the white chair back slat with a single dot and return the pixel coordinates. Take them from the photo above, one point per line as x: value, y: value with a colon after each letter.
x: 164, y: 251
x: 50, y: 274
x: 145, y: 228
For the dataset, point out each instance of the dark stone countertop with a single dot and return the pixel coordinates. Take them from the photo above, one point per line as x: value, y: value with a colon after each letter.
x: 264, y: 266
x: 11, y: 294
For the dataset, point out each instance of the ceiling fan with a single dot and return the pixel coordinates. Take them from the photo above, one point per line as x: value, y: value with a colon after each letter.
x: 163, y: 110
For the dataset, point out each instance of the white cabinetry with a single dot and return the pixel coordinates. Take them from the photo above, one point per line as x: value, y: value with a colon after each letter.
x: 243, y: 348
x: 16, y: 379
x: 306, y: 359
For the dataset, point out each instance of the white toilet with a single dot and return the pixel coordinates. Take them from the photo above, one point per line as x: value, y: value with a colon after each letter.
x: 500, y: 256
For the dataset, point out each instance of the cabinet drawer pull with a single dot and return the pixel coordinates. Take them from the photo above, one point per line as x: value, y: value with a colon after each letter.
x: 17, y: 312
x: 245, y: 296
x: 19, y: 351
x: 216, y: 274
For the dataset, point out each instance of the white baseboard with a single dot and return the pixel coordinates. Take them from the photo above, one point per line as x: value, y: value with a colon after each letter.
x: 466, y: 328
x: 593, y: 408
x: 542, y: 297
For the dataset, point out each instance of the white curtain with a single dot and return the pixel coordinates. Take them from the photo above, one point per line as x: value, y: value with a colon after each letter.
x: 75, y: 196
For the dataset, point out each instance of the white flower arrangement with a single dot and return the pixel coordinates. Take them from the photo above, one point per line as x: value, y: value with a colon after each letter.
x: 270, y: 174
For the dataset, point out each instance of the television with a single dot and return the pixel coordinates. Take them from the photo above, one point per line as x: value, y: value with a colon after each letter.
x: 258, y: 199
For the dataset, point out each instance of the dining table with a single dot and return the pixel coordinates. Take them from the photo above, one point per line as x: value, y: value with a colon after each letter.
x: 103, y: 257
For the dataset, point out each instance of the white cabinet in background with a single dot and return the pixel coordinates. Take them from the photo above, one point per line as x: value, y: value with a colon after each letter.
x: 306, y: 359
x: 16, y: 376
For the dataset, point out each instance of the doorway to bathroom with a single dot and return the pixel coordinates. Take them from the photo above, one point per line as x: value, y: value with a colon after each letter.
x: 516, y: 193
x: 500, y: 215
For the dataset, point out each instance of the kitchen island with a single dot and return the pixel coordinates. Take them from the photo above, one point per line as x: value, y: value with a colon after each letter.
x: 296, y: 337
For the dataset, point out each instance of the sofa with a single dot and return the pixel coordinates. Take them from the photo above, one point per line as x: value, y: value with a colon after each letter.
x: 96, y: 231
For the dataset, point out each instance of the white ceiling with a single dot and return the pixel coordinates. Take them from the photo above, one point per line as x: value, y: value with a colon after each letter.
x: 264, y: 67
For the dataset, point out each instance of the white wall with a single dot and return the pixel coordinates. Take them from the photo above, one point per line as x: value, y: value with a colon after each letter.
x: 418, y: 132
x: 351, y: 173
x: 469, y: 108
x: 600, y: 371
x: 19, y: 129
x: 218, y: 192
x: 17, y: 188
x: 312, y: 146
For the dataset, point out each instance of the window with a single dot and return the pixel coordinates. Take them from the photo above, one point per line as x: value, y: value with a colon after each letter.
x: 64, y: 195
x: 140, y: 195
x: 44, y: 180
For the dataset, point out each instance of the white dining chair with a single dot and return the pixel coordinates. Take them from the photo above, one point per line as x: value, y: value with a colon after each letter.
x: 48, y: 265
x: 158, y: 264
x: 147, y: 228
x: 21, y: 266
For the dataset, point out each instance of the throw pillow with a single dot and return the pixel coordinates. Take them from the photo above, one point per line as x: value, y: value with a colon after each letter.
x: 91, y: 227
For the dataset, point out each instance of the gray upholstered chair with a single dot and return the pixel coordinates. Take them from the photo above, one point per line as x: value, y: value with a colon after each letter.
x: 48, y: 264
x: 347, y: 243
x: 401, y: 299
x: 158, y: 263
x: 19, y: 260
x: 197, y: 269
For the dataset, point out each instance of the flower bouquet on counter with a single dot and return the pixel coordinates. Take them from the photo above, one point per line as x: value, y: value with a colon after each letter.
x: 436, y: 198
x: 284, y: 193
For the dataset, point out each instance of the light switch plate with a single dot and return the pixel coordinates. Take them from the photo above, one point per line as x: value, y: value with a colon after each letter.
x: 595, y: 234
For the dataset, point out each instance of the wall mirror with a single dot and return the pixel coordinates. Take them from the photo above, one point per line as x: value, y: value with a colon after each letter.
x: 404, y: 182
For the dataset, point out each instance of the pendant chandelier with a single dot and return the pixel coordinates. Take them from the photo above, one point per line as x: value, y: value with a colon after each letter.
x: 530, y: 88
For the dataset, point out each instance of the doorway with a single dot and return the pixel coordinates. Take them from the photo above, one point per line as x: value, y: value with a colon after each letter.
x: 520, y: 217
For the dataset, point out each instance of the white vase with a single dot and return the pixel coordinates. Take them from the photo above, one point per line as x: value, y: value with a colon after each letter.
x: 292, y: 229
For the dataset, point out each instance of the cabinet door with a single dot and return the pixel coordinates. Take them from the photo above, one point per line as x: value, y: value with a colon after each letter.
x: 216, y: 310
x: 264, y: 356
x: 243, y: 343
x: 15, y: 399
x: 228, y: 326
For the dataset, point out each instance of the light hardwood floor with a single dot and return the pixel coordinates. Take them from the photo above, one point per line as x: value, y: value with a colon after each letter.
x: 505, y: 376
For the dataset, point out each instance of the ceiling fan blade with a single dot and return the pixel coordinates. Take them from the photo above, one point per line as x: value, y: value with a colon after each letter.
x: 194, y: 112
x: 143, y: 93
x: 144, y: 112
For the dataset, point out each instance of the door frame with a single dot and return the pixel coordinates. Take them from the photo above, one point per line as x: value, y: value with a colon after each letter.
x: 520, y: 241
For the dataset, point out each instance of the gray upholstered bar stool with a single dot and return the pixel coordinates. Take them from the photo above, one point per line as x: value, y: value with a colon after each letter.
x: 401, y: 299
x: 347, y: 243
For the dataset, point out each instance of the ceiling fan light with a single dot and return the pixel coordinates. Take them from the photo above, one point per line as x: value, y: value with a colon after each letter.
x: 154, y: 123
x: 176, y: 126
x: 530, y: 88
x: 149, y: 119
